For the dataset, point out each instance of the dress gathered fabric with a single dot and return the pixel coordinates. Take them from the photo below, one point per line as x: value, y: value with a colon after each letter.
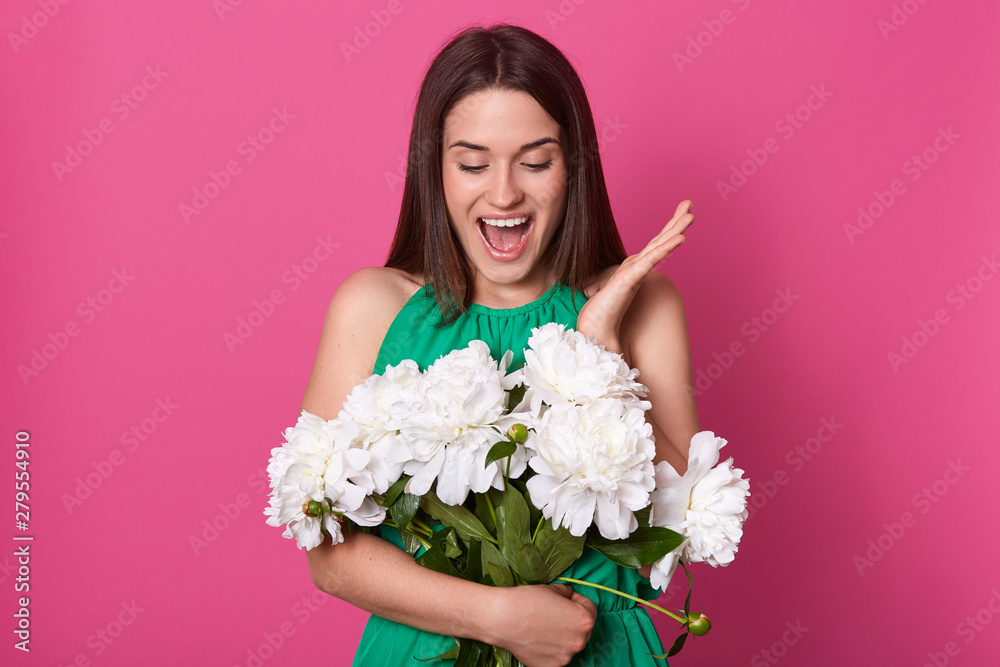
x: 623, y: 634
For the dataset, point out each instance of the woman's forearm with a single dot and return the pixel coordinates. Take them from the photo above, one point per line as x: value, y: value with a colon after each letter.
x: 544, y: 625
x: 380, y: 578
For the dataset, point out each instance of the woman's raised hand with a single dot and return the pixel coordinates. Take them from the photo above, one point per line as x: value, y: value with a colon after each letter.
x: 602, y: 315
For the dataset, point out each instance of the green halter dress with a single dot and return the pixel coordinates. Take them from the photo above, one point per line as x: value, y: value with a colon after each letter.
x: 623, y: 634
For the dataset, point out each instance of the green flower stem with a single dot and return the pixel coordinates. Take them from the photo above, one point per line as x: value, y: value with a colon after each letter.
x: 489, y: 503
x: 416, y: 531
x: 422, y: 526
x: 624, y: 595
x: 537, y: 528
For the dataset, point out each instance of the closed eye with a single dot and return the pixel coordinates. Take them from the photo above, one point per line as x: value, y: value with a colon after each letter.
x: 479, y: 168
x: 539, y: 167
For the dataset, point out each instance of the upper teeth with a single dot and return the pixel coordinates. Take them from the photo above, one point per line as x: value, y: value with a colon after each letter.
x: 508, y: 222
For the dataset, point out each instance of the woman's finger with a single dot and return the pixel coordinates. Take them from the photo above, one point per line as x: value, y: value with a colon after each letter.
x: 682, y: 219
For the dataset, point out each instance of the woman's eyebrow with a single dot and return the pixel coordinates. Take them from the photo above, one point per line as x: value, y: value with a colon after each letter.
x: 477, y: 147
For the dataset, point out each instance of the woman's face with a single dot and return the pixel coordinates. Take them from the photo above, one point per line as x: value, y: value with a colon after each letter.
x: 504, y: 185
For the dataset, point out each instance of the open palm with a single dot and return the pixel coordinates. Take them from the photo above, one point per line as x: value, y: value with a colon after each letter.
x: 602, y: 315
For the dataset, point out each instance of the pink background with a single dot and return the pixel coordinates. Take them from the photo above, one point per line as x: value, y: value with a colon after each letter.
x: 867, y: 541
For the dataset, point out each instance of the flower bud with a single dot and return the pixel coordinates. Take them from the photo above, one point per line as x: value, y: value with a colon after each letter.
x: 313, y: 508
x: 517, y: 433
x: 698, y: 623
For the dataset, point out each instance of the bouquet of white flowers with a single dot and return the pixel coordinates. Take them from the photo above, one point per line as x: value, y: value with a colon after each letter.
x: 504, y: 478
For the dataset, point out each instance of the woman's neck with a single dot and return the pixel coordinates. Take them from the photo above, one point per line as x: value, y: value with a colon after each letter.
x: 512, y: 295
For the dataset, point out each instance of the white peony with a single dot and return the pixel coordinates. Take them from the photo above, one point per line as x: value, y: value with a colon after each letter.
x: 452, y: 431
x: 562, y: 365
x: 594, y: 465
x: 707, y: 505
x: 372, y: 416
x: 308, y: 436
x: 311, y: 467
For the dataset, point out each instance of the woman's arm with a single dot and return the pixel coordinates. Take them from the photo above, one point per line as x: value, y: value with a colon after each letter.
x: 541, y: 625
x: 639, y: 312
x: 655, y: 340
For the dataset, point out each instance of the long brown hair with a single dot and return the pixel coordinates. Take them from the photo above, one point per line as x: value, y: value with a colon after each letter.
x: 512, y: 58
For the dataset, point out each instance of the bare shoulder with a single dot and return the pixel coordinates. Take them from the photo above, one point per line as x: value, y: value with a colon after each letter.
x: 656, y: 310
x: 375, y: 289
x: 365, y: 305
x: 360, y: 313
x: 657, y: 288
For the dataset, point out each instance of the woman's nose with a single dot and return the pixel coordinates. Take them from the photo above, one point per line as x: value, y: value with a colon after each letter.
x: 504, y: 190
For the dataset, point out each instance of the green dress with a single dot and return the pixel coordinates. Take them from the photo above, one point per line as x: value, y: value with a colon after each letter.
x: 623, y: 634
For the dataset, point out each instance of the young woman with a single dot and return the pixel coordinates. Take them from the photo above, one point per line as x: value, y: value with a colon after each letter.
x: 505, y: 225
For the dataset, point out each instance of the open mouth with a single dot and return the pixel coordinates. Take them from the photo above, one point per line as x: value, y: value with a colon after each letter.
x: 505, y: 236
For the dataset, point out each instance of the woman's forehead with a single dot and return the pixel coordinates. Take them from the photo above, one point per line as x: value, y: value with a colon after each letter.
x: 499, y: 120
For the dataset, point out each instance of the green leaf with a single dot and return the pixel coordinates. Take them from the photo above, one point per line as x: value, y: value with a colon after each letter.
x: 458, y: 517
x: 514, y: 397
x: 529, y: 565
x: 472, y: 568
x: 435, y: 559
x: 678, y: 645
x: 403, y: 510
x: 471, y: 653
x: 501, y: 450
x: 512, y: 523
x: 495, y: 565
x: 642, y: 516
x: 447, y: 541
x: 558, y: 549
x: 395, y: 490
x: 503, y: 657
x: 450, y: 654
x: 452, y: 549
x: 644, y: 546
x: 410, y: 543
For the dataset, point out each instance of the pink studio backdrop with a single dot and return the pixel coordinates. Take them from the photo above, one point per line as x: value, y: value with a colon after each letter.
x: 170, y: 169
